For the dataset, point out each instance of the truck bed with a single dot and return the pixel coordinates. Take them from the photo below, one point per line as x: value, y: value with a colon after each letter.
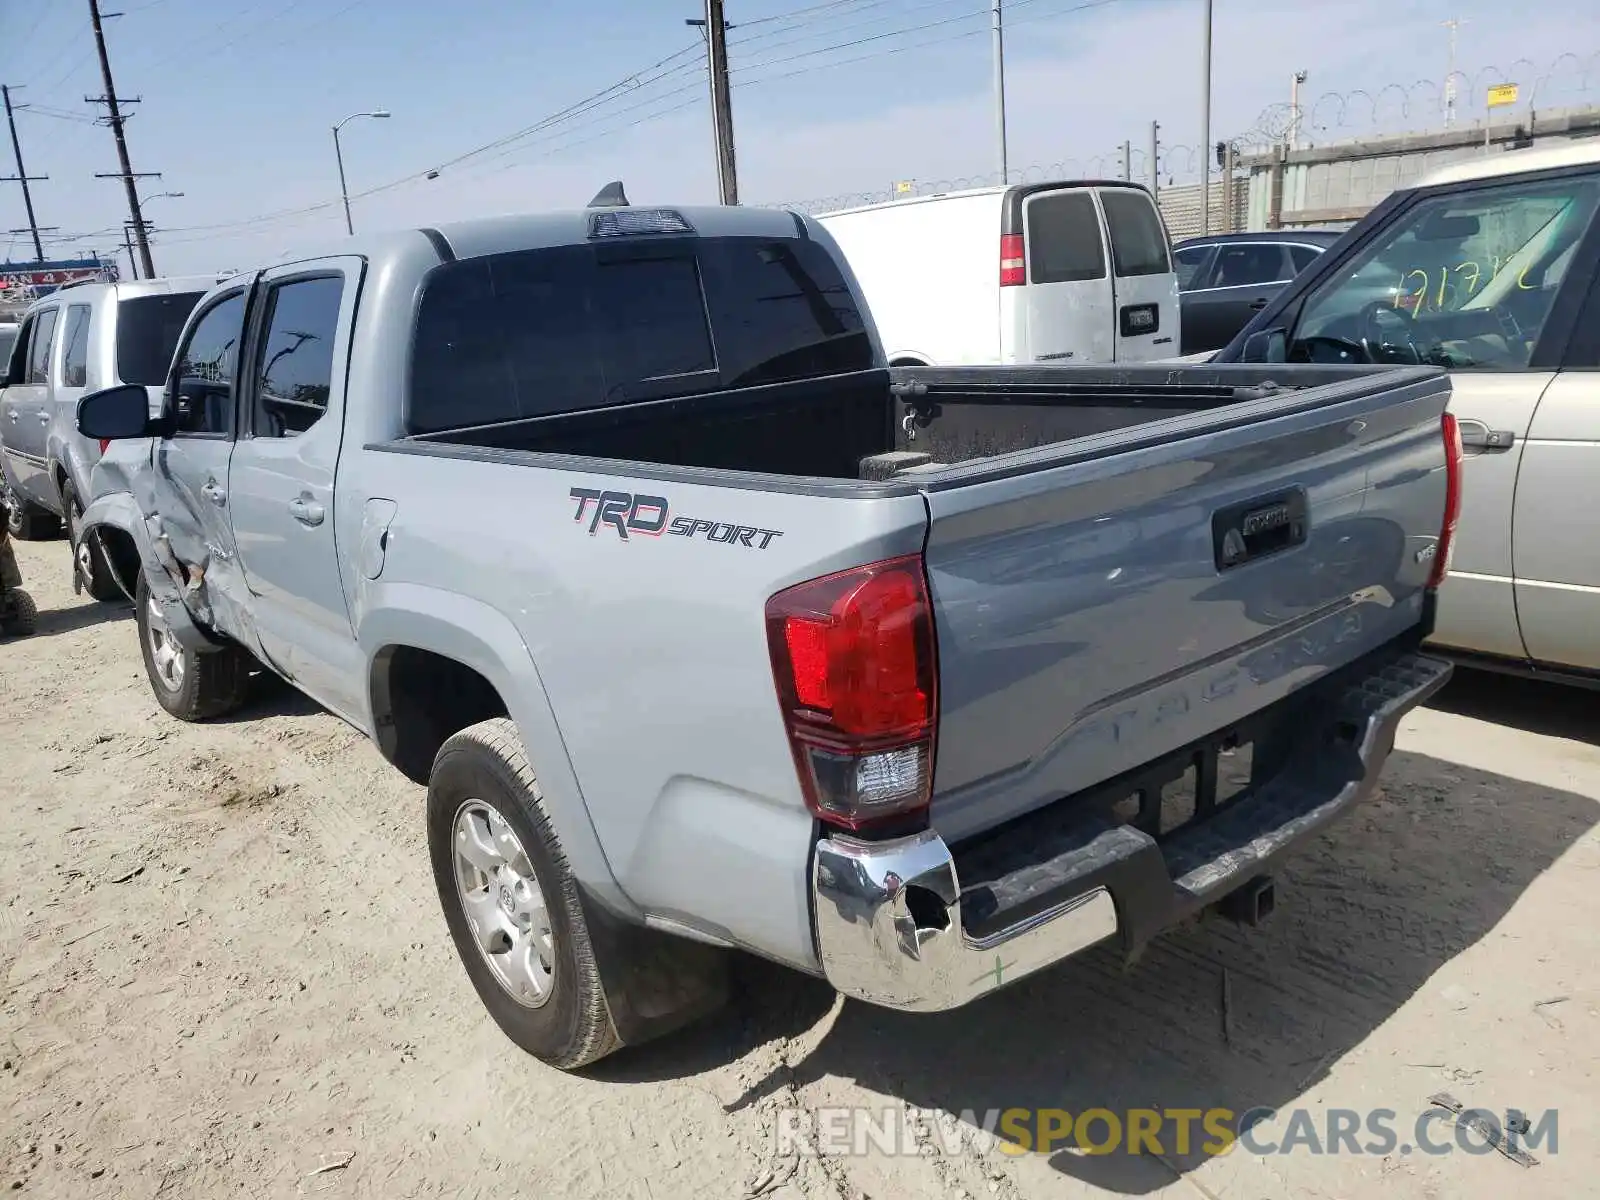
x: 841, y: 427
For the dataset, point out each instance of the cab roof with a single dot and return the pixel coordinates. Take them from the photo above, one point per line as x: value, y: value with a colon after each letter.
x: 1579, y: 153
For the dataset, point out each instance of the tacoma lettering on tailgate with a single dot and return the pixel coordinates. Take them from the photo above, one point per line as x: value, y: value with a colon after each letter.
x: 629, y: 514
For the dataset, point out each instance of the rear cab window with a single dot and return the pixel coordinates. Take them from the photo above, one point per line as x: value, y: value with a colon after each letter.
x: 1138, y: 242
x: 539, y: 332
x: 1062, y: 236
x: 148, y: 328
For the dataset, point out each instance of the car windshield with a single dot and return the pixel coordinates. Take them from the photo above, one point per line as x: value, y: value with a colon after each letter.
x: 8, y: 339
x: 1457, y: 280
x: 147, y: 334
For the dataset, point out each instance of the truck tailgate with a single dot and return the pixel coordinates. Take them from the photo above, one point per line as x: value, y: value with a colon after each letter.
x: 1105, y: 603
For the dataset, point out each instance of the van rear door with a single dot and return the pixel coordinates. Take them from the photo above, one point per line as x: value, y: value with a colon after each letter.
x: 1144, y: 283
x: 1058, y: 296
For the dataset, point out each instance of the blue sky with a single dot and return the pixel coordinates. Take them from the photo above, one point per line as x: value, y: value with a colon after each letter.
x: 829, y: 99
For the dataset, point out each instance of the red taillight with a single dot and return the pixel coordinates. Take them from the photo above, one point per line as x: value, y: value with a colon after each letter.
x: 104, y: 442
x: 1452, y: 500
x: 1013, y: 262
x: 853, y: 658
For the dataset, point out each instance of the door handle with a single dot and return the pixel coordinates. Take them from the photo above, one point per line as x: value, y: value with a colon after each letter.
x: 44, y: 418
x: 214, y: 493
x: 1258, y: 305
x: 13, y: 416
x: 1475, y: 435
x: 306, y: 511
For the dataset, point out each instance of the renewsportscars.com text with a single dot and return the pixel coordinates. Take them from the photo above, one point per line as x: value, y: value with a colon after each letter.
x: 1378, y: 1132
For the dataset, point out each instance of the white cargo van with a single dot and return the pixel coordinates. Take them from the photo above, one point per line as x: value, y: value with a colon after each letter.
x: 1032, y: 273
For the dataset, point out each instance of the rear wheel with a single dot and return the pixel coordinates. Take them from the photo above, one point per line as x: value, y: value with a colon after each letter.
x: 88, y: 555
x: 18, y: 614
x: 28, y: 522
x: 510, y: 901
x: 189, y: 684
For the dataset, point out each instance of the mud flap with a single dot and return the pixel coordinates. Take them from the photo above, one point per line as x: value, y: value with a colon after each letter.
x: 161, y: 569
x: 654, y: 983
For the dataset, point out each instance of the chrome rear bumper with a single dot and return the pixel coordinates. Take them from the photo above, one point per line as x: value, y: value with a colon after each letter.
x: 889, y: 927
x: 894, y: 927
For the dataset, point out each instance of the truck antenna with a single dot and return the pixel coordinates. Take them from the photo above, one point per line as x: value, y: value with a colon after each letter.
x: 610, y: 196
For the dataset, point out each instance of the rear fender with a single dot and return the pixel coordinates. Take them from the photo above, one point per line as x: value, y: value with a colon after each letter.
x: 119, y: 511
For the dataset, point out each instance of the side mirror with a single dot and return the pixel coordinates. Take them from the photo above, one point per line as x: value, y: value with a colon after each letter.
x: 116, y: 413
x: 1266, y: 346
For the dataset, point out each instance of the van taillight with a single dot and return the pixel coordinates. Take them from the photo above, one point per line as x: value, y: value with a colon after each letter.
x: 104, y: 442
x: 853, y: 659
x: 1013, y: 263
x: 1452, y: 500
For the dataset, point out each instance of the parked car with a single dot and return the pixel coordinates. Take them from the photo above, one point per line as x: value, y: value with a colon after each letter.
x: 1491, y: 269
x: 78, y: 339
x: 1226, y: 278
x: 1039, y: 272
x: 707, y: 630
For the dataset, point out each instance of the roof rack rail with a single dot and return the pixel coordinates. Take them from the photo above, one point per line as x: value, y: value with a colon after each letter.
x: 610, y: 196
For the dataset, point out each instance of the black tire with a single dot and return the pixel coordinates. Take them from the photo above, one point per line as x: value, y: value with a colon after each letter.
x: 207, y: 685
x: 28, y: 522
x: 89, y: 559
x: 19, y: 616
x: 486, y: 763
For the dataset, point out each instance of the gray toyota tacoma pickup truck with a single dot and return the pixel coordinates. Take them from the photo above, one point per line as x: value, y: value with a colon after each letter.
x: 707, y: 631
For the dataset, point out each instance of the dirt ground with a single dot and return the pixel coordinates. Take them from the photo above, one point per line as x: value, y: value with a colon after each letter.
x: 223, y: 972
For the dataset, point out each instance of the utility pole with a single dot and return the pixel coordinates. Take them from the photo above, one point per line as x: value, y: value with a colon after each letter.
x: 127, y: 241
x: 23, y: 177
x: 1155, y: 158
x: 115, y: 119
x: 1454, y: 25
x: 721, y: 102
x: 998, y: 40
x: 1127, y: 161
x: 1295, y: 81
x: 1205, y: 124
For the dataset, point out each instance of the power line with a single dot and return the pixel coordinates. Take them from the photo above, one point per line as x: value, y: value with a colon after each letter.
x: 659, y: 72
x: 639, y: 79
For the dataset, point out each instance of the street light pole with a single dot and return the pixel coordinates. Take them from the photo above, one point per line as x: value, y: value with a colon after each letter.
x: 1205, y: 127
x: 997, y: 48
x: 377, y: 114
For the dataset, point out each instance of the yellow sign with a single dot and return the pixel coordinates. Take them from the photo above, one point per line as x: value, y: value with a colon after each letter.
x: 902, y: 187
x: 1502, y: 94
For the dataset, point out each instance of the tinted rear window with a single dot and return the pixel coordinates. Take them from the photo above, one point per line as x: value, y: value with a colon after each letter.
x: 1063, y: 239
x: 147, y: 334
x: 538, y: 332
x: 1138, y: 243
x: 8, y: 339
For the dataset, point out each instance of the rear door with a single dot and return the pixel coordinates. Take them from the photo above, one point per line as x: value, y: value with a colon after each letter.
x: 1144, y: 283
x: 1555, y: 553
x: 27, y: 411
x: 281, y: 479
x: 1065, y: 305
x: 189, y: 485
x: 1241, y: 281
x: 76, y: 453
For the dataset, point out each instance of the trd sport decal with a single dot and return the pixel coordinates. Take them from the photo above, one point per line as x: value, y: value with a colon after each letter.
x: 631, y: 516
